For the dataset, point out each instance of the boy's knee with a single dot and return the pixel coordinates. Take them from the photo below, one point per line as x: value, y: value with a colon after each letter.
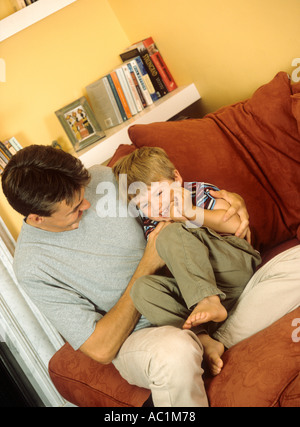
x: 137, y: 290
x: 169, y: 237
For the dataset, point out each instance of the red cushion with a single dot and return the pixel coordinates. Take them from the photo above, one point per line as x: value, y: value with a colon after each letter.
x: 86, y: 383
x: 251, y: 148
x: 258, y: 370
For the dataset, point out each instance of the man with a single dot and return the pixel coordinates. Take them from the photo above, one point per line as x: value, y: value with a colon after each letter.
x: 77, y: 259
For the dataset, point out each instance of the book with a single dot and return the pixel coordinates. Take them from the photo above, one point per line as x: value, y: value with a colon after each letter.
x: 133, y: 89
x: 126, y: 90
x: 136, y: 84
x: 5, y: 150
x: 2, y: 163
x: 160, y: 64
x: 121, y: 94
x: 3, y: 158
x: 18, y: 4
x: 141, y: 83
x: 146, y: 79
x: 138, y: 49
x: 16, y: 145
x: 104, y: 104
x: 10, y: 147
x: 117, y: 98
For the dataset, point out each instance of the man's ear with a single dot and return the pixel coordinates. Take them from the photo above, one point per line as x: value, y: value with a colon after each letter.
x: 177, y: 176
x: 35, y: 219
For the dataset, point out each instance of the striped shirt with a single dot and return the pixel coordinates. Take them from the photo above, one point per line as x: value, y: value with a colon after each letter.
x: 201, y: 197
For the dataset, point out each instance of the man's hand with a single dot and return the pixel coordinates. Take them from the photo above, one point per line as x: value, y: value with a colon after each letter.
x: 151, y: 258
x: 237, y: 206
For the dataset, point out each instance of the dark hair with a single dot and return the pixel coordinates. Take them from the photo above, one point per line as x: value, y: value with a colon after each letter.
x: 37, y: 177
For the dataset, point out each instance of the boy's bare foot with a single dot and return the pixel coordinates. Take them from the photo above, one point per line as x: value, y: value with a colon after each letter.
x: 213, y: 351
x: 209, y: 309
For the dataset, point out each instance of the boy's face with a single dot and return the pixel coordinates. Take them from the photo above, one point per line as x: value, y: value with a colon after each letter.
x: 155, y: 201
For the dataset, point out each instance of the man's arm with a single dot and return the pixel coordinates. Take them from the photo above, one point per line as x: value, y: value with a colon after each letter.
x: 228, y: 216
x: 116, y: 325
x: 237, y: 206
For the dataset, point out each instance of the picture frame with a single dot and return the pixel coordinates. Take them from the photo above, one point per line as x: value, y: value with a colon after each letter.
x: 80, y: 124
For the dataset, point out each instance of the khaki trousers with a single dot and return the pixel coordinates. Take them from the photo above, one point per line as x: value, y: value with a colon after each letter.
x: 167, y: 361
x: 202, y: 264
x: 273, y: 291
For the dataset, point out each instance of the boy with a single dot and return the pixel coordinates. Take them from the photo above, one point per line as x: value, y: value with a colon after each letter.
x: 209, y: 270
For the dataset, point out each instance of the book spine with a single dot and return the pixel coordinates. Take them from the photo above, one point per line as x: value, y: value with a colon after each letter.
x: 127, y: 92
x: 2, y: 163
x: 155, y: 77
x: 112, y: 100
x: 10, y: 147
x: 3, y: 157
x: 131, y: 84
x: 121, y: 94
x: 160, y: 64
x: 5, y: 150
x: 137, y: 86
x: 130, y: 54
x: 19, y: 4
x: 16, y: 145
x: 153, y: 73
x: 146, y: 79
x: 141, y: 82
x: 117, y: 98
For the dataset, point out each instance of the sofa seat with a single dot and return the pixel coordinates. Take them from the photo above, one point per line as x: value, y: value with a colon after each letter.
x: 261, y: 371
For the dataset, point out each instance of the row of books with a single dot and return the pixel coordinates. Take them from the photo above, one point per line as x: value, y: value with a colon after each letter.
x: 7, y: 150
x: 20, y: 4
x: 142, y: 79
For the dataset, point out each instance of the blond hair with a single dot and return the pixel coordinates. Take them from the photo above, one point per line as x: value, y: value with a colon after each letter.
x: 146, y: 165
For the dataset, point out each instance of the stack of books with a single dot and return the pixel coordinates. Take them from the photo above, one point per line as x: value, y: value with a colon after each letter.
x: 142, y: 79
x: 20, y: 4
x: 7, y: 150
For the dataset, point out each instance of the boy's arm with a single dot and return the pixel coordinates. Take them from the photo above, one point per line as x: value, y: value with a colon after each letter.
x: 183, y: 209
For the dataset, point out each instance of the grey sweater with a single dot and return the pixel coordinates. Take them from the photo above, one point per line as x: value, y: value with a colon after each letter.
x: 74, y: 277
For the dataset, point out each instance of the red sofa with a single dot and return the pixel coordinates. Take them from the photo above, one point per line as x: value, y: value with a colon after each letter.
x: 251, y: 148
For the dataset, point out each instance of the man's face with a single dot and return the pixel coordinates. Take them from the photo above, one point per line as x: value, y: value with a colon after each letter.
x: 66, y: 217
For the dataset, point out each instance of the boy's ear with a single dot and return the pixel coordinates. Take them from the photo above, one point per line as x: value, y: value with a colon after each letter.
x: 177, y: 176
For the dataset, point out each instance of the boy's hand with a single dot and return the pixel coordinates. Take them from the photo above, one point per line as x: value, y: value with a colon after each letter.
x: 237, y: 206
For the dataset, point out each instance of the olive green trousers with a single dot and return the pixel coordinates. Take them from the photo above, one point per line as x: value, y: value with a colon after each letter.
x: 202, y: 264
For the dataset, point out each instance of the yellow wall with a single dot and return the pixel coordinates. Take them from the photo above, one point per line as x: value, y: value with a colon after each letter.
x: 47, y: 66
x: 228, y: 48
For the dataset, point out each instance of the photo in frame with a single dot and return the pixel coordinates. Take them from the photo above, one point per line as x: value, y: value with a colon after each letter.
x: 80, y: 124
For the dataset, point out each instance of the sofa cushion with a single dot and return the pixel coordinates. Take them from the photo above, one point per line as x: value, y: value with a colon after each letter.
x: 251, y: 148
x: 260, y: 371
x: 86, y: 383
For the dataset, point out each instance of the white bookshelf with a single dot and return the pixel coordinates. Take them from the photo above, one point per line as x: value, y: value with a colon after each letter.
x: 29, y: 15
x: 162, y: 110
